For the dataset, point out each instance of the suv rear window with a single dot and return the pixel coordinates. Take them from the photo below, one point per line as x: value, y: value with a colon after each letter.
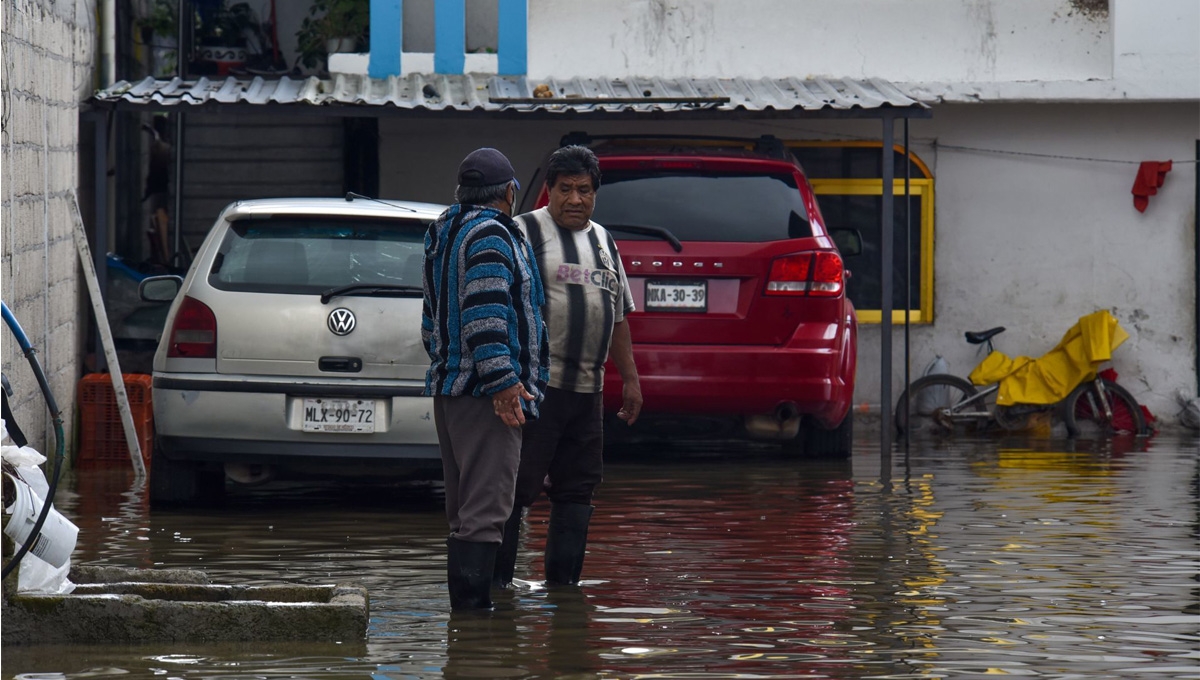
x: 311, y: 255
x: 703, y: 205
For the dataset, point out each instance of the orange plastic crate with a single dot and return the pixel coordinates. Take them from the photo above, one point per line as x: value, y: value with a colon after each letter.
x: 102, y: 436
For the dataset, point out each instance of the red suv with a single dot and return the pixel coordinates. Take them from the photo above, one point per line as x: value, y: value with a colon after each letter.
x: 743, y: 328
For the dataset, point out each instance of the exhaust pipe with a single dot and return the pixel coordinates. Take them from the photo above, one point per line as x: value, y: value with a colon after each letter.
x: 784, y: 423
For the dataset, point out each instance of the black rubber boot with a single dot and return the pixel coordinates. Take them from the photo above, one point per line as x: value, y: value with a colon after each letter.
x: 566, y: 542
x: 469, y: 573
x: 506, y: 556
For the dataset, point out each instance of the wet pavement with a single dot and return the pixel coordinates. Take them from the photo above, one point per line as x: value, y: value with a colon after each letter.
x: 1034, y: 558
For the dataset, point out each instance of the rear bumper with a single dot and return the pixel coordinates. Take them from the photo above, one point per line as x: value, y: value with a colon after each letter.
x: 256, y: 451
x: 742, y: 380
x: 219, y: 418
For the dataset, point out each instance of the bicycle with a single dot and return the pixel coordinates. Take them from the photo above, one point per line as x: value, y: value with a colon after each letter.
x: 947, y: 404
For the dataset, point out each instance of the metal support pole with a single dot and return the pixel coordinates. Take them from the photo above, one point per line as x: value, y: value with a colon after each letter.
x: 176, y: 223
x: 183, y: 55
x: 885, y: 281
x: 1196, y: 265
x: 907, y: 276
x: 183, y: 43
x: 100, y: 233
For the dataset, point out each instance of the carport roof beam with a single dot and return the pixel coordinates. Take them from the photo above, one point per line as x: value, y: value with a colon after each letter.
x: 518, y: 96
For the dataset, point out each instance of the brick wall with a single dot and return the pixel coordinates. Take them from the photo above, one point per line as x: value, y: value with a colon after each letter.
x: 48, y: 48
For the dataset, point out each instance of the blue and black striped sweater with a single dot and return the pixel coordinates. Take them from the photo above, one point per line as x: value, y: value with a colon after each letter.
x: 482, y: 318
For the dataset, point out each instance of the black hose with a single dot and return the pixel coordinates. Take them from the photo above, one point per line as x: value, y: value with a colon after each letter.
x: 31, y: 356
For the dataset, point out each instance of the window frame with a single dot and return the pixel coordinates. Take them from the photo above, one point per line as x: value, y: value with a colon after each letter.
x: 918, y: 186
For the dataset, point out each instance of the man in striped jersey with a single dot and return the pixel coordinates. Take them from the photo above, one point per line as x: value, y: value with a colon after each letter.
x: 587, y: 298
x: 482, y: 327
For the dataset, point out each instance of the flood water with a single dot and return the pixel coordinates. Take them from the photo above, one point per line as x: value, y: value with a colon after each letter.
x: 1026, y: 558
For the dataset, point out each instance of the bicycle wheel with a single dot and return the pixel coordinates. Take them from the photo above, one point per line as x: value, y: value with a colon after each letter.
x: 936, y: 406
x: 1085, y: 415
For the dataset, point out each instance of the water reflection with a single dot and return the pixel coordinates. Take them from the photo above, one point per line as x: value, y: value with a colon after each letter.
x: 983, y: 557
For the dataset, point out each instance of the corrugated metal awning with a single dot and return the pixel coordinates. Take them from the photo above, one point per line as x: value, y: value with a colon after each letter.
x: 518, y: 94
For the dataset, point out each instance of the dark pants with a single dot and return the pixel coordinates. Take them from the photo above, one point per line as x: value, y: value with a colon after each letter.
x: 480, y: 455
x: 562, y: 451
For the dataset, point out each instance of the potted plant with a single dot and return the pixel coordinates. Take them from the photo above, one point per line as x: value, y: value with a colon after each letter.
x: 160, y: 32
x: 222, y: 35
x: 333, y: 26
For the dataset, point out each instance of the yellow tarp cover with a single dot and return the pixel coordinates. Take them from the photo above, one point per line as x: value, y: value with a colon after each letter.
x: 1051, y: 377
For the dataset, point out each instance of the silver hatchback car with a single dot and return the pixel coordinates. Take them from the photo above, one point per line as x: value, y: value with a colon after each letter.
x: 294, y: 346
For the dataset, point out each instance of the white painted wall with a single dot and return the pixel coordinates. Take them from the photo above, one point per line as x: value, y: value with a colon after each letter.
x: 1025, y: 242
x: 965, y: 41
x: 1034, y: 243
x: 964, y: 50
x: 1156, y: 42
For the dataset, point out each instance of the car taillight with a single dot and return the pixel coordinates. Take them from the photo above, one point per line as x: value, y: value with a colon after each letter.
x: 812, y: 274
x: 194, y: 334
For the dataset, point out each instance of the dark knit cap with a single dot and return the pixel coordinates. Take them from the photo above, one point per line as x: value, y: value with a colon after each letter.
x: 484, y: 168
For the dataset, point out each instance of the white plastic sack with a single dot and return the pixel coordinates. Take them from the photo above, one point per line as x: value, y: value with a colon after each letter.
x: 18, y: 456
x: 21, y: 456
x: 36, y: 576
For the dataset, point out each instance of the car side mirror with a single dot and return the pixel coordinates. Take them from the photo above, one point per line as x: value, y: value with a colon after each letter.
x: 848, y: 241
x: 160, y: 288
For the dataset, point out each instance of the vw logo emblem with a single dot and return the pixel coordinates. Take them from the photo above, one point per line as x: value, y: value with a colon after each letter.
x: 341, y: 321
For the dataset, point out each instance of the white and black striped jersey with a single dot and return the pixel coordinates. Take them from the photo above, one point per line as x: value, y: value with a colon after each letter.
x: 586, y: 293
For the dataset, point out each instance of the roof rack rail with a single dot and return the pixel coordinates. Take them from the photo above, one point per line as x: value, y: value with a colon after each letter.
x: 766, y: 144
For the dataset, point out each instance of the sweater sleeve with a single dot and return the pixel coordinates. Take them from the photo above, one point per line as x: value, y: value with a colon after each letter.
x: 486, y: 301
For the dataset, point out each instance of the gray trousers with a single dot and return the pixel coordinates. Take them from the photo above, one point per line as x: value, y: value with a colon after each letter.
x: 480, y: 455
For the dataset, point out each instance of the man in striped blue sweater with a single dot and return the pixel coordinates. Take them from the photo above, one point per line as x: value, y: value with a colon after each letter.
x: 482, y: 327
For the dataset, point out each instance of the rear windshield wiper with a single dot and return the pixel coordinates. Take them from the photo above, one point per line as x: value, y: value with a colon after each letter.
x: 381, y: 289
x: 647, y: 230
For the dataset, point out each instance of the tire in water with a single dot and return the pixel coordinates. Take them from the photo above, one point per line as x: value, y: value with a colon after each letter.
x: 1084, y: 414
x: 929, y: 397
x: 835, y: 443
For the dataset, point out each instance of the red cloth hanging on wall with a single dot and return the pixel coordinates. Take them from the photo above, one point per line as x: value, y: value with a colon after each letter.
x: 1150, y: 176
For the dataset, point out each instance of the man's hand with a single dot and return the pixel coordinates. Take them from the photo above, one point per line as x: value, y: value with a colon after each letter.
x: 508, y: 405
x: 631, y: 403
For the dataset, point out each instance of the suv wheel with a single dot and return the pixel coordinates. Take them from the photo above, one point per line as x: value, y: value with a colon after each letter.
x: 817, y: 442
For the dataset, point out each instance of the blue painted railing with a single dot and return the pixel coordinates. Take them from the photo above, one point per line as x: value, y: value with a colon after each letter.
x: 387, y: 37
